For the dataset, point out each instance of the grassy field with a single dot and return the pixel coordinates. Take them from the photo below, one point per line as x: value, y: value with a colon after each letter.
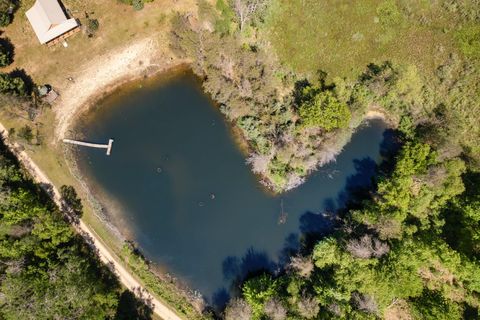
x: 341, y: 37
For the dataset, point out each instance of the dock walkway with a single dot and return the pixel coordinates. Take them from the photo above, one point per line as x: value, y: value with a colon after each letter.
x: 92, y: 145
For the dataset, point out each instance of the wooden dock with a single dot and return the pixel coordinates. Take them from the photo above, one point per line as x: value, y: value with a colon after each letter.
x: 92, y: 145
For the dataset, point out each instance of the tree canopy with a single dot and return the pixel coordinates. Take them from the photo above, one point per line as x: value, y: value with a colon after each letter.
x: 322, y: 109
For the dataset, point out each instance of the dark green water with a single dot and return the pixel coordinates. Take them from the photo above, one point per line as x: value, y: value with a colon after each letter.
x: 172, y: 151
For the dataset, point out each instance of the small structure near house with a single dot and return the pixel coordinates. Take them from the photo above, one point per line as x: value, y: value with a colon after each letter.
x: 50, y: 97
x: 47, y: 93
x: 50, y: 22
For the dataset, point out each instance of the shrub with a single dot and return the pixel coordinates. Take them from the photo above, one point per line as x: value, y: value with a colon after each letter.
x: 303, y: 266
x: 308, y: 307
x: 5, y: 56
x: 389, y: 13
x: 257, y: 291
x: 238, y: 309
x: 325, y: 111
x: 137, y: 5
x: 25, y: 133
x: 92, y: 27
x: 12, y: 85
x: 70, y: 198
x: 468, y: 39
x: 5, y: 53
x: 275, y: 310
x: 4, y: 19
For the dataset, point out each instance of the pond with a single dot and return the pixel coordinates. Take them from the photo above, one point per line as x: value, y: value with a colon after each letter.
x: 178, y: 185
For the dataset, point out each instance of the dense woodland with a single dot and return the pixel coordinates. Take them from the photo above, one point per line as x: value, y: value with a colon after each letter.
x: 409, y: 247
x: 47, y: 271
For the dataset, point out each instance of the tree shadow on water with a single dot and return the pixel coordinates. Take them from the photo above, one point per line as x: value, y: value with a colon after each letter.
x: 236, y: 270
x: 220, y: 299
x: 313, y: 226
x: 359, y: 184
x: 292, y: 246
x: 389, y: 149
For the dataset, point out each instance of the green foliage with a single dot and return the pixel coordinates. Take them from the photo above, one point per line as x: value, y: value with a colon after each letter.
x: 468, y: 39
x: 462, y: 227
x: 92, y: 27
x: 41, y: 259
x: 432, y: 306
x: 136, y: 4
x: 25, y: 133
x: 322, y: 109
x: 224, y: 24
x: 35, y: 295
x: 413, y: 195
x: 5, y: 16
x: 418, y: 220
x: 5, y: 55
x: 12, y: 85
x: 420, y: 269
x: 71, y: 200
x: 4, y: 19
x: 388, y: 13
x: 257, y: 291
x: 166, y: 290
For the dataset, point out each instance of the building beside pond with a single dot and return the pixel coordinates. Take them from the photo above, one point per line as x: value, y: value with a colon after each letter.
x: 50, y: 22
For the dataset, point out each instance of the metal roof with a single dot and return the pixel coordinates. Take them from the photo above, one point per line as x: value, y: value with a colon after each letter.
x: 48, y: 20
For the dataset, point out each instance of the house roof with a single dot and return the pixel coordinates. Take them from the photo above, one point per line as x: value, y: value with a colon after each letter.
x: 48, y: 20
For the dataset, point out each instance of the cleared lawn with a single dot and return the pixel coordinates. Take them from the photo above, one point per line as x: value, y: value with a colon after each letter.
x: 119, y: 25
x: 341, y: 37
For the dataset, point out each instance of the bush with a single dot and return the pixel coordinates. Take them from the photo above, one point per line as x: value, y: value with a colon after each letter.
x: 5, y: 55
x: 238, y: 309
x: 325, y: 111
x: 137, y: 5
x: 389, y: 14
x: 71, y: 200
x: 4, y: 19
x: 25, y: 133
x: 6, y: 8
x: 468, y: 39
x: 92, y: 27
x: 257, y: 291
x: 12, y: 85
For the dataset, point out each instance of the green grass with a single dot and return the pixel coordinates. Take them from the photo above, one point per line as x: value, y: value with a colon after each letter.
x: 341, y: 37
x: 164, y: 290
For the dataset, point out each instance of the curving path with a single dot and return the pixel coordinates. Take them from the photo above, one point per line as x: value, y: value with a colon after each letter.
x: 124, y: 276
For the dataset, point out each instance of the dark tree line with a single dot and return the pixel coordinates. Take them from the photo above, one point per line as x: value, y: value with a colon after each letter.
x: 47, y: 271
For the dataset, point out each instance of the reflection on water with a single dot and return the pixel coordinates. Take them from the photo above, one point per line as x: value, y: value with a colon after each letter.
x: 190, y: 201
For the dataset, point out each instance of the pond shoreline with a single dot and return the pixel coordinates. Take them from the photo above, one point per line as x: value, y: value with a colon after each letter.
x: 69, y: 117
x: 108, y: 73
